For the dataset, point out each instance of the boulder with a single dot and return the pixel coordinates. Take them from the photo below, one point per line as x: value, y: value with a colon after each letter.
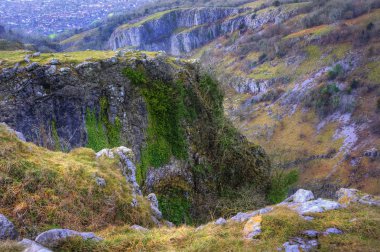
x: 348, y: 195
x: 32, y: 246
x: 302, y: 196
x: 252, y: 228
x: 53, y: 237
x: 315, y: 206
x: 302, y: 202
x: 7, y: 229
x: 36, y: 54
x: 221, y: 222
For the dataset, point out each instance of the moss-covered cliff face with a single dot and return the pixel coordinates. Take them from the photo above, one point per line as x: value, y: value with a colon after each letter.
x: 166, y: 110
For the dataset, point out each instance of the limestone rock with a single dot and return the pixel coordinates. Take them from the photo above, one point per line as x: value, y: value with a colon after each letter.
x: 139, y: 228
x: 315, y: 206
x: 346, y: 196
x: 19, y: 135
x: 100, y: 182
x: 52, y: 237
x: 311, y: 233
x: 32, y: 246
x: 126, y: 165
x: 241, y: 217
x: 299, y: 244
x: 7, y: 229
x: 302, y: 196
x: 152, y: 198
x: 54, y: 62
x: 302, y: 202
x: 32, y: 66
x: 36, y: 54
x: 333, y: 231
x: 252, y: 228
x: 51, y: 70
x: 221, y: 222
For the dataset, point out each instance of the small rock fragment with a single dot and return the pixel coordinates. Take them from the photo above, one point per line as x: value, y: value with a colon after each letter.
x: 333, y: 231
x: 221, y: 222
x: 139, y: 228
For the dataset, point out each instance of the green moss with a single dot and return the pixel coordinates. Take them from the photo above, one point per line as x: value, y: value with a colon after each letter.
x: 101, y: 132
x: 175, y: 207
x: 166, y: 114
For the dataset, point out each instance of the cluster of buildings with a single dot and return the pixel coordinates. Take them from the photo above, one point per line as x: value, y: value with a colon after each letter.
x: 50, y: 17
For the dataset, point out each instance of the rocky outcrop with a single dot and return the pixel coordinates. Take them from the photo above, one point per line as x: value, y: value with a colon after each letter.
x: 346, y: 196
x: 50, y: 109
x: 175, y: 31
x: 183, y: 30
x: 7, y: 229
x: 32, y: 246
x: 53, y: 237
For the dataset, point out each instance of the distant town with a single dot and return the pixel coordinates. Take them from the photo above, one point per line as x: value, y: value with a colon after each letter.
x: 51, y: 17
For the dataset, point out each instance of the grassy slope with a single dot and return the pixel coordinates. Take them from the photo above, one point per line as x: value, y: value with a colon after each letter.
x: 296, y: 135
x: 10, y: 58
x: 361, y: 226
x: 41, y: 189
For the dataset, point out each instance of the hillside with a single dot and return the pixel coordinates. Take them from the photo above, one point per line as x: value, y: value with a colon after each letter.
x: 167, y: 111
x: 301, y: 79
x: 196, y: 126
x: 309, y: 95
x: 88, y: 192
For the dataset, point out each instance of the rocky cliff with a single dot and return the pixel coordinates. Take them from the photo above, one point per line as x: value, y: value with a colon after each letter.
x: 166, y: 110
x: 183, y: 30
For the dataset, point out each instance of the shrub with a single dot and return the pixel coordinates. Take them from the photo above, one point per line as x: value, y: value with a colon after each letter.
x: 281, y: 181
x: 336, y: 71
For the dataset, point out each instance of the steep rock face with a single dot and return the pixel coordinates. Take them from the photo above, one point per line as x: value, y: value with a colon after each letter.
x: 175, y: 31
x: 50, y: 110
x: 181, y: 31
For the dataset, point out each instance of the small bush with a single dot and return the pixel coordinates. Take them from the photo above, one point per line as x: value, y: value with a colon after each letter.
x: 281, y: 182
x: 335, y: 72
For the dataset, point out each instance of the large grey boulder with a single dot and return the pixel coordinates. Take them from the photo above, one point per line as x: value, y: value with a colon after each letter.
x: 7, y: 229
x: 32, y: 246
x: 348, y: 195
x: 53, y: 237
x: 302, y: 202
x: 302, y: 196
